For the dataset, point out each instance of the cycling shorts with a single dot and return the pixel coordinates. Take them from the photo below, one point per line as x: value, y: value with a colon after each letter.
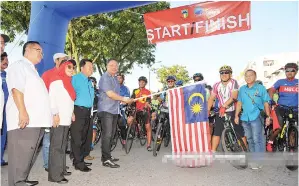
x: 277, y: 116
x: 219, y: 126
x: 143, y: 116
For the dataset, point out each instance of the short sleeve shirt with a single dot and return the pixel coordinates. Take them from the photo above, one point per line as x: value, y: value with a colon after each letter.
x: 22, y: 75
x: 106, y: 104
x: 288, y: 92
x: 223, y: 93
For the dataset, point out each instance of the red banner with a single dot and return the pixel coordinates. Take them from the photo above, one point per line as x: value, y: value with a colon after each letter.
x: 198, y: 20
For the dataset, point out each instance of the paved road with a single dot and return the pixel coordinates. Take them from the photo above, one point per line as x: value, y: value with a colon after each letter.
x: 141, y: 168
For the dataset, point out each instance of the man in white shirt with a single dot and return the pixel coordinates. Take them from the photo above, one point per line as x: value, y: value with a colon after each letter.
x: 28, y: 110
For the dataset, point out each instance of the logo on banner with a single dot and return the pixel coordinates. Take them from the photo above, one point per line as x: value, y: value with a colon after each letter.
x: 198, y: 11
x: 185, y: 13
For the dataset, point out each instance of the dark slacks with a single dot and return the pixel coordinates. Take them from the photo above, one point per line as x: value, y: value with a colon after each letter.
x: 57, y: 156
x: 109, y: 123
x: 79, y: 131
x: 87, y: 144
x: 22, y: 150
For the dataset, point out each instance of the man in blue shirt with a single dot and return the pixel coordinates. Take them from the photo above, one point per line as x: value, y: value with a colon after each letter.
x: 108, y: 110
x: 82, y: 111
x: 253, y: 98
x: 4, y: 65
x: 125, y: 92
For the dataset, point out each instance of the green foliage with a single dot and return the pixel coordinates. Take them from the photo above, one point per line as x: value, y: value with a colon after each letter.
x: 15, y: 17
x: 180, y: 72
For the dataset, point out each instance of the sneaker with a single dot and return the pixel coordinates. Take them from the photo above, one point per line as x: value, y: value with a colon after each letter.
x: 123, y: 142
x: 269, y: 146
x: 114, y: 159
x: 149, y: 148
x: 111, y: 164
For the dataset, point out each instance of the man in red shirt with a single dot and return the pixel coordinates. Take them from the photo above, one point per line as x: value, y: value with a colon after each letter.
x: 58, y: 58
x: 143, y: 108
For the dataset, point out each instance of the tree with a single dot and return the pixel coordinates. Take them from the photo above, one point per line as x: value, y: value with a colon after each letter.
x: 119, y: 35
x: 15, y: 17
x: 180, y: 72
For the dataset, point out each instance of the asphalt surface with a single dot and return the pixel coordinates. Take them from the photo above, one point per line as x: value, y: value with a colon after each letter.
x: 141, y: 168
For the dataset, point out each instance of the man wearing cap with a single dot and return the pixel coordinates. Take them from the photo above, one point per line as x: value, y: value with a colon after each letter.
x: 3, y: 96
x: 58, y: 58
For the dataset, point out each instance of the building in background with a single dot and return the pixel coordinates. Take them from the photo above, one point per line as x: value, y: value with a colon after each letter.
x: 270, y: 68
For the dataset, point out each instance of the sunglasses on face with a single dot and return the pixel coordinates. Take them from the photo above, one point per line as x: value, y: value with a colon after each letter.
x: 290, y: 70
x: 170, y: 81
x: 224, y: 72
x: 196, y: 80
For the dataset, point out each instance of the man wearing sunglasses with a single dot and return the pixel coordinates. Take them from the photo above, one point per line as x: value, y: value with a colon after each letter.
x: 226, y: 92
x: 288, y: 96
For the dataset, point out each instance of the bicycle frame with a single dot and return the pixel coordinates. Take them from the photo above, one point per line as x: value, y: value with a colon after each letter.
x: 228, y: 124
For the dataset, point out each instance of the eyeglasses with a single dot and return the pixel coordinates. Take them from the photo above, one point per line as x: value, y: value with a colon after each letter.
x: 71, y: 67
x: 170, y: 81
x: 224, y: 72
x: 290, y: 70
x: 39, y: 50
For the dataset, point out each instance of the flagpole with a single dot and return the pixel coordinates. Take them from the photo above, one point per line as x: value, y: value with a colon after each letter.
x: 158, y: 93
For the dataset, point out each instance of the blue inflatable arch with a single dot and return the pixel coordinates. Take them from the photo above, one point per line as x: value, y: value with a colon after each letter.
x: 49, y: 22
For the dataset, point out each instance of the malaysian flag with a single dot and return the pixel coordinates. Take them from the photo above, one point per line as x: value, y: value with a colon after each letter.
x: 189, y: 125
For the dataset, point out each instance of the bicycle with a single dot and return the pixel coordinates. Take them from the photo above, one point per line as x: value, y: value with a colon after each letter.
x: 232, y: 141
x: 137, y: 127
x: 282, y: 141
x: 162, y: 131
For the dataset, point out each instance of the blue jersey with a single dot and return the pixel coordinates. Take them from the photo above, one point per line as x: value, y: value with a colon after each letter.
x: 287, y: 91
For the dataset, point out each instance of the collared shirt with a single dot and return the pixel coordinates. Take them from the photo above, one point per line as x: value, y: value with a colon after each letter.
x: 252, y: 100
x: 84, y: 90
x: 48, y: 75
x: 1, y: 104
x: 61, y: 102
x: 106, y: 104
x: 22, y: 75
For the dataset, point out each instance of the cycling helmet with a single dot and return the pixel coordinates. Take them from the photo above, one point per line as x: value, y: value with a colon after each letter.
x: 142, y: 78
x: 291, y: 65
x: 259, y: 82
x: 179, y: 83
x: 226, y: 68
x: 170, y: 78
x: 198, y: 75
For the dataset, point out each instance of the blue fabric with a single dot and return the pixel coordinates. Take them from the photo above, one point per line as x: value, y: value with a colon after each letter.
x: 49, y: 22
x: 46, y: 147
x: 125, y: 92
x: 4, y: 86
x: 246, y: 95
x: 255, y: 135
x: 3, y: 136
x: 195, y: 97
x: 106, y: 104
x: 84, y: 90
x: 288, y: 92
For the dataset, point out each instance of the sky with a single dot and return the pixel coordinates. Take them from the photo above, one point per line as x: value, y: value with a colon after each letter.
x: 274, y: 29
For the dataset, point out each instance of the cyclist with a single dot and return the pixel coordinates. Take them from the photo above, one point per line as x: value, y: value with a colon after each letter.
x: 226, y: 92
x: 171, y: 80
x: 288, y: 96
x: 142, y: 108
x: 199, y: 77
x: 179, y: 83
x: 95, y: 107
x: 125, y: 92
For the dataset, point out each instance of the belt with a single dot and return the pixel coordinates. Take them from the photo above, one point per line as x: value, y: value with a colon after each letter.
x: 81, y: 107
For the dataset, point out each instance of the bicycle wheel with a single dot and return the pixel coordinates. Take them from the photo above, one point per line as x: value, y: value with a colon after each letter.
x: 292, y: 161
x: 98, y: 130
x: 232, y: 143
x: 142, y: 134
x: 114, y: 141
x: 130, y: 138
x: 166, y: 138
x: 158, y: 139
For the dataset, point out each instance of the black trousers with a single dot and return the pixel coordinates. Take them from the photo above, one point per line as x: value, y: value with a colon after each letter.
x: 87, y: 144
x: 57, y: 156
x: 109, y: 123
x: 79, y: 132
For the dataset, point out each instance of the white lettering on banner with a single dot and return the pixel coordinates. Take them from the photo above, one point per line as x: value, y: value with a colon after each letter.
x: 208, y: 26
